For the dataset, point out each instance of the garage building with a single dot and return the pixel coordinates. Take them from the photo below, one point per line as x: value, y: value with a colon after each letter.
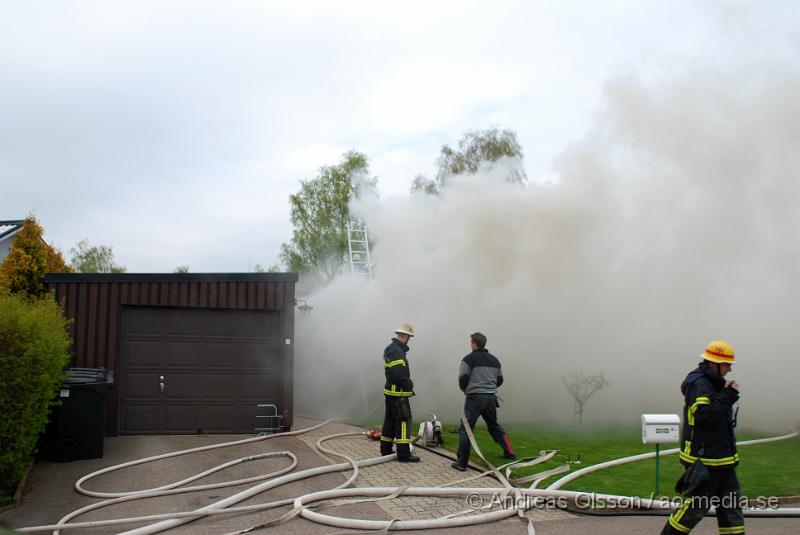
x: 191, y: 352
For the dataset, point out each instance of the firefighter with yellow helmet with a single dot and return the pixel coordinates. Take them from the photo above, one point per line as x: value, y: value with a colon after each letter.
x: 708, y: 446
x: 397, y: 391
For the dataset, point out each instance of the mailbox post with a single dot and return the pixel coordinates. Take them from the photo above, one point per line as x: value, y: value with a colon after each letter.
x: 660, y: 429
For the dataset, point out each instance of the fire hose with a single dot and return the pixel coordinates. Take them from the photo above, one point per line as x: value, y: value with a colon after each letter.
x: 302, y: 505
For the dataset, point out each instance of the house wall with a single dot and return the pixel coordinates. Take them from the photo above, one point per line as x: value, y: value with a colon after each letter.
x: 5, y: 246
x: 8, y: 229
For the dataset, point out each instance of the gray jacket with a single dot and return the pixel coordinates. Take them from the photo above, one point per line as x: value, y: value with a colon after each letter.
x: 480, y: 373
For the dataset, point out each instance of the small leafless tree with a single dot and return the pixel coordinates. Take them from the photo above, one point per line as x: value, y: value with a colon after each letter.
x: 581, y: 387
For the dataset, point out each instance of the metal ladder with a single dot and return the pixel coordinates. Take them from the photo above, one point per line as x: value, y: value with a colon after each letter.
x: 358, y: 250
x: 360, y: 266
x: 371, y: 391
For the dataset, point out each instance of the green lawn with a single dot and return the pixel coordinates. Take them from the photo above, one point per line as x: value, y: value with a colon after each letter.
x: 765, y: 470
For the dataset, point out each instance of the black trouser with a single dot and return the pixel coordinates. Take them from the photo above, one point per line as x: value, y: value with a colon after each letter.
x: 396, y: 428
x: 721, y: 490
x: 484, y: 405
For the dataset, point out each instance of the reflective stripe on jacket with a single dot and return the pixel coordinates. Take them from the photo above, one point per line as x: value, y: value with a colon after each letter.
x: 708, y: 420
x: 398, y: 374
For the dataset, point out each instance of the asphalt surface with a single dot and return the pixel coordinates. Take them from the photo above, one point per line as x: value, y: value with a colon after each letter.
x: 49, y: 493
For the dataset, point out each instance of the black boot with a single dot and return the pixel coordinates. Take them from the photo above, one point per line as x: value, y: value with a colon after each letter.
x: 458, y: 466
x: 404, y: 454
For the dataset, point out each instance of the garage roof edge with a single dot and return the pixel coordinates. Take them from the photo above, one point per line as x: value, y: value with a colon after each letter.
x: 170, y: 277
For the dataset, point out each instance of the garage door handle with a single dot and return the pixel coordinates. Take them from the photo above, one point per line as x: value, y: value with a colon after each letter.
x: 161, y: 383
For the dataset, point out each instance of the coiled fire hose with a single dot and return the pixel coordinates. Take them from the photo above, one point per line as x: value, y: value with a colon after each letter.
x: 302, y: 504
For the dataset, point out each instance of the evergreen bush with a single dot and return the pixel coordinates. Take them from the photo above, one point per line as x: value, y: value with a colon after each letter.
x: 34, y: 350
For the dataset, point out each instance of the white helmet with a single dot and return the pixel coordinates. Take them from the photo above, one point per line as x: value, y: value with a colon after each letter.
x: 405, y: 329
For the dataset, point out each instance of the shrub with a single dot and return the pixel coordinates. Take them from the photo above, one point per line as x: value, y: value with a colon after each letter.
x: 30, y: 258
x: 34, y: 345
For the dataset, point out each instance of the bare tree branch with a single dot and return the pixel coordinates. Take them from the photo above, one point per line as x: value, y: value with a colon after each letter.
x: 581, y: 387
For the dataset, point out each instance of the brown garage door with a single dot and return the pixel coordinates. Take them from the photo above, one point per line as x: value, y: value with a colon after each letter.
x: 197, y: 370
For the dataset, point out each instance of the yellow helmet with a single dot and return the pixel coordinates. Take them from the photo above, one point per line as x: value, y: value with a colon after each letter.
x: 719, y: 352
x: 405, y: 329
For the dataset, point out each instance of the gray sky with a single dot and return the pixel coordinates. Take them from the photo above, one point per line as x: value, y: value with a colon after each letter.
x: 175, y: 131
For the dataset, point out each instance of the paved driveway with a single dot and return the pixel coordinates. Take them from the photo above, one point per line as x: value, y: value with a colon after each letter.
x: 49, y: 493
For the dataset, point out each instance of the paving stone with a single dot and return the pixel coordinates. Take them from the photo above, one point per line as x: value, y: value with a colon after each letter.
x: 432, y: 471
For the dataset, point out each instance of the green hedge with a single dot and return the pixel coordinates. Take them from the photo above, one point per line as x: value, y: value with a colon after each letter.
x: 34, y: 345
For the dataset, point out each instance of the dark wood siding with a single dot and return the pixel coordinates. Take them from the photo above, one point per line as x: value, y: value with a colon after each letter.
x: 94, y: 303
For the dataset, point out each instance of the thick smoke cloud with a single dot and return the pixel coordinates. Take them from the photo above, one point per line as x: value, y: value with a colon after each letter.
x: 672, y: 223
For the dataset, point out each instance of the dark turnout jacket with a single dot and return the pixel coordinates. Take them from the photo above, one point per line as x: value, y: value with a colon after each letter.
x: 480, y: 373
x: 398, y: 374
x: 708, y: 419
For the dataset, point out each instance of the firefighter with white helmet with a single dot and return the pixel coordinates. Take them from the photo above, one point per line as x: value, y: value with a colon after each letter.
x: 397, y: 391
x: 708, y: 446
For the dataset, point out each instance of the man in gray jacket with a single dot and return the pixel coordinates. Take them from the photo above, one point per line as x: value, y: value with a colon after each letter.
x: 479, y: 376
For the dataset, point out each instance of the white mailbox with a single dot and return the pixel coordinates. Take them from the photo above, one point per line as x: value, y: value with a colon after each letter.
x: 660, y: 428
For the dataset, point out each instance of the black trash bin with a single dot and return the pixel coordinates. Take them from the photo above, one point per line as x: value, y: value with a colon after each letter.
x: 77, y: 426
